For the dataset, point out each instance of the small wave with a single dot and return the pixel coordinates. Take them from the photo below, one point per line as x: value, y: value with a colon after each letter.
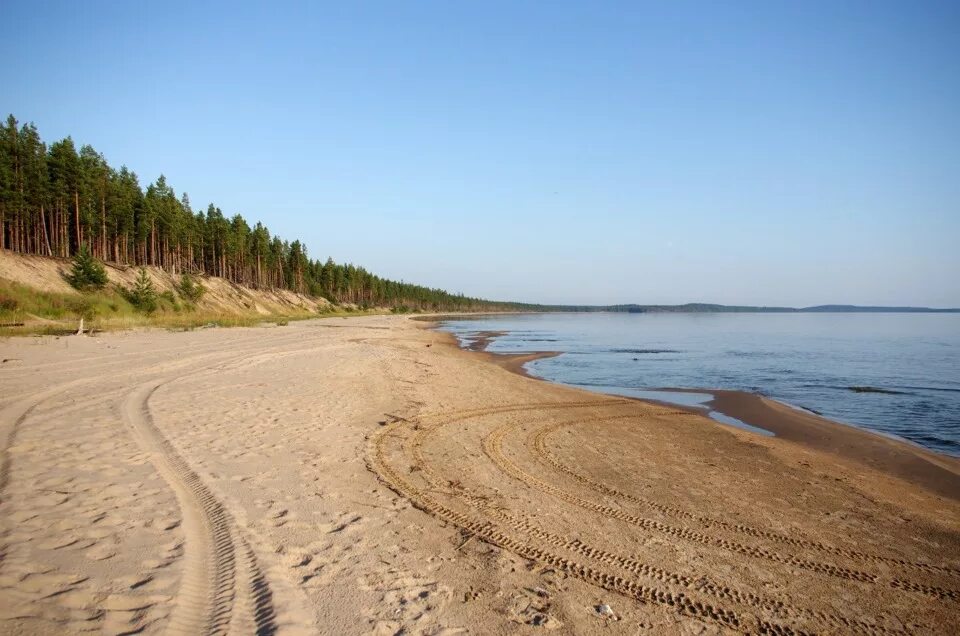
x: 644, y: 351
x: 856, y: 389
x: 927, y: 437
x: 929, y: 388
x: 874, y: 389
x: 934, y: 441
x: 609, y: 385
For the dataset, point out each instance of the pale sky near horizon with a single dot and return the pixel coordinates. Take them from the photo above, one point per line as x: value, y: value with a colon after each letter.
x: 768, y: 153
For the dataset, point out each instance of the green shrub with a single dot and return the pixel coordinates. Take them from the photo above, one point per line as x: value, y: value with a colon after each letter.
x: 190, y: 289
x: 142, y: 295
x: 87, y: 273
x: 8, y: 305
x: 82, y: 307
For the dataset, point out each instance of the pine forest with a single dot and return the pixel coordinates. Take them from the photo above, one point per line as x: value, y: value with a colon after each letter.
x: 56, y: 198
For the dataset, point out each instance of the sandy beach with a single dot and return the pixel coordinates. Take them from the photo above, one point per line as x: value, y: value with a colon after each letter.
x: 365, y: 475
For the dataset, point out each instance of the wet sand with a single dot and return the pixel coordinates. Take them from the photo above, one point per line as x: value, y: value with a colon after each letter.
x: 375, y: 478
x: 933, y: 471
x: 930, y: 470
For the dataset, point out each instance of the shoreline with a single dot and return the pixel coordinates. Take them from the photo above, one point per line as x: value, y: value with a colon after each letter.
x: 937, y: 472
x: 360, y: 476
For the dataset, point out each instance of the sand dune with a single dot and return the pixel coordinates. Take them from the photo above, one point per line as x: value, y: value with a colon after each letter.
x: 365, y: 476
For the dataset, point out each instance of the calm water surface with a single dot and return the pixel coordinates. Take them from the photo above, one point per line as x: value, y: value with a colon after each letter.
x: 807, y: 360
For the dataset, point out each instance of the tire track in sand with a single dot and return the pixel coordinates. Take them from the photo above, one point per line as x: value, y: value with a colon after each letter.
x: 699, y: 583
x: 226, y: 590
x: 520, y: 534
x: 538, y: 441
x: 493, y: 448
x: 12, y: 418
x: 13, y: 415
x: 223, y: 588
x: 490, y: 533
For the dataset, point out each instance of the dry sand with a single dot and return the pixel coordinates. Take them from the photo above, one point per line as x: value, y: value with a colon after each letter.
x: 366, y: 476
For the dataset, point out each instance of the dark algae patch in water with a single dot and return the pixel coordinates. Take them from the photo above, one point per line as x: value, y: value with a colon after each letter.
x: 480, y: 340
x: 873, y: 389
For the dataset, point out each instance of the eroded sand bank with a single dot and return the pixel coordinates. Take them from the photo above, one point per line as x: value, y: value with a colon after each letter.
x: 365, y: 475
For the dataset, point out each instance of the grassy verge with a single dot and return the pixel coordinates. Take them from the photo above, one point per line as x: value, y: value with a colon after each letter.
x: 25, y: 311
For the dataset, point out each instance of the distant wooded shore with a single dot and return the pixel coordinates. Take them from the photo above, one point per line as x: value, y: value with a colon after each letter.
x: 713, y: 308
x: 706, y: 308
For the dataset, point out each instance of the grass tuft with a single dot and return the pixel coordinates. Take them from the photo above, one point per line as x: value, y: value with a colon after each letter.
x: 57, y: 313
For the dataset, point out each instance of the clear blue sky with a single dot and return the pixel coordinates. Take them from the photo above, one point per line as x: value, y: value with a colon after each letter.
x: 596, y: 152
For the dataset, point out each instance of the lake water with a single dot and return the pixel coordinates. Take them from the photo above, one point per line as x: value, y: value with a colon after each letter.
x: 897, y: 374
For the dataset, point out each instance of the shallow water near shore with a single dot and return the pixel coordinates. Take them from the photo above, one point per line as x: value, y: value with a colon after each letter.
x: 896, y: 374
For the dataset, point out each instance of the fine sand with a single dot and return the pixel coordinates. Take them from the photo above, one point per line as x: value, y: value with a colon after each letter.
x: 364, y: 475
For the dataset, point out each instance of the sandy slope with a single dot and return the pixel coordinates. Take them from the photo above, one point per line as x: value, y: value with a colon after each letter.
x: 47, y: 274
x: 364, y: 476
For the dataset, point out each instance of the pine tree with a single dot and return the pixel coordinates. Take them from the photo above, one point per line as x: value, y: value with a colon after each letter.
x: 143, y: 295
x: 64, y: 167
x: 87, y: 272
x: 57, y: 201
x: 190, y: 289
x: 36, y: 186
x: 9, y: 171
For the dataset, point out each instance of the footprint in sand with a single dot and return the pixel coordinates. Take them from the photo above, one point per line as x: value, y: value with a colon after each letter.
x: 413, y: 600
x: 49, y: 583
x: 533, y: 607
x: 101, y: 552
x: 131, y: 603
x: 169, y: 523
x: 133, y: 581
x: 78, y: 600
x: 297, y: 559
x: 23, y: 516
x: 100, y: 533
x: 344, y: 521
x: 58, y: 542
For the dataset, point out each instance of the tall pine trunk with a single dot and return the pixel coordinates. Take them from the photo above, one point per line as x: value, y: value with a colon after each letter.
x: 103, y: 228
x: 43, y: 226
x: 76, y: 207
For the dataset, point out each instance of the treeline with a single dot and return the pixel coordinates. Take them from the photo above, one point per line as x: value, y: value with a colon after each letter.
x: 55, y: 198
x: 706, y: 308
